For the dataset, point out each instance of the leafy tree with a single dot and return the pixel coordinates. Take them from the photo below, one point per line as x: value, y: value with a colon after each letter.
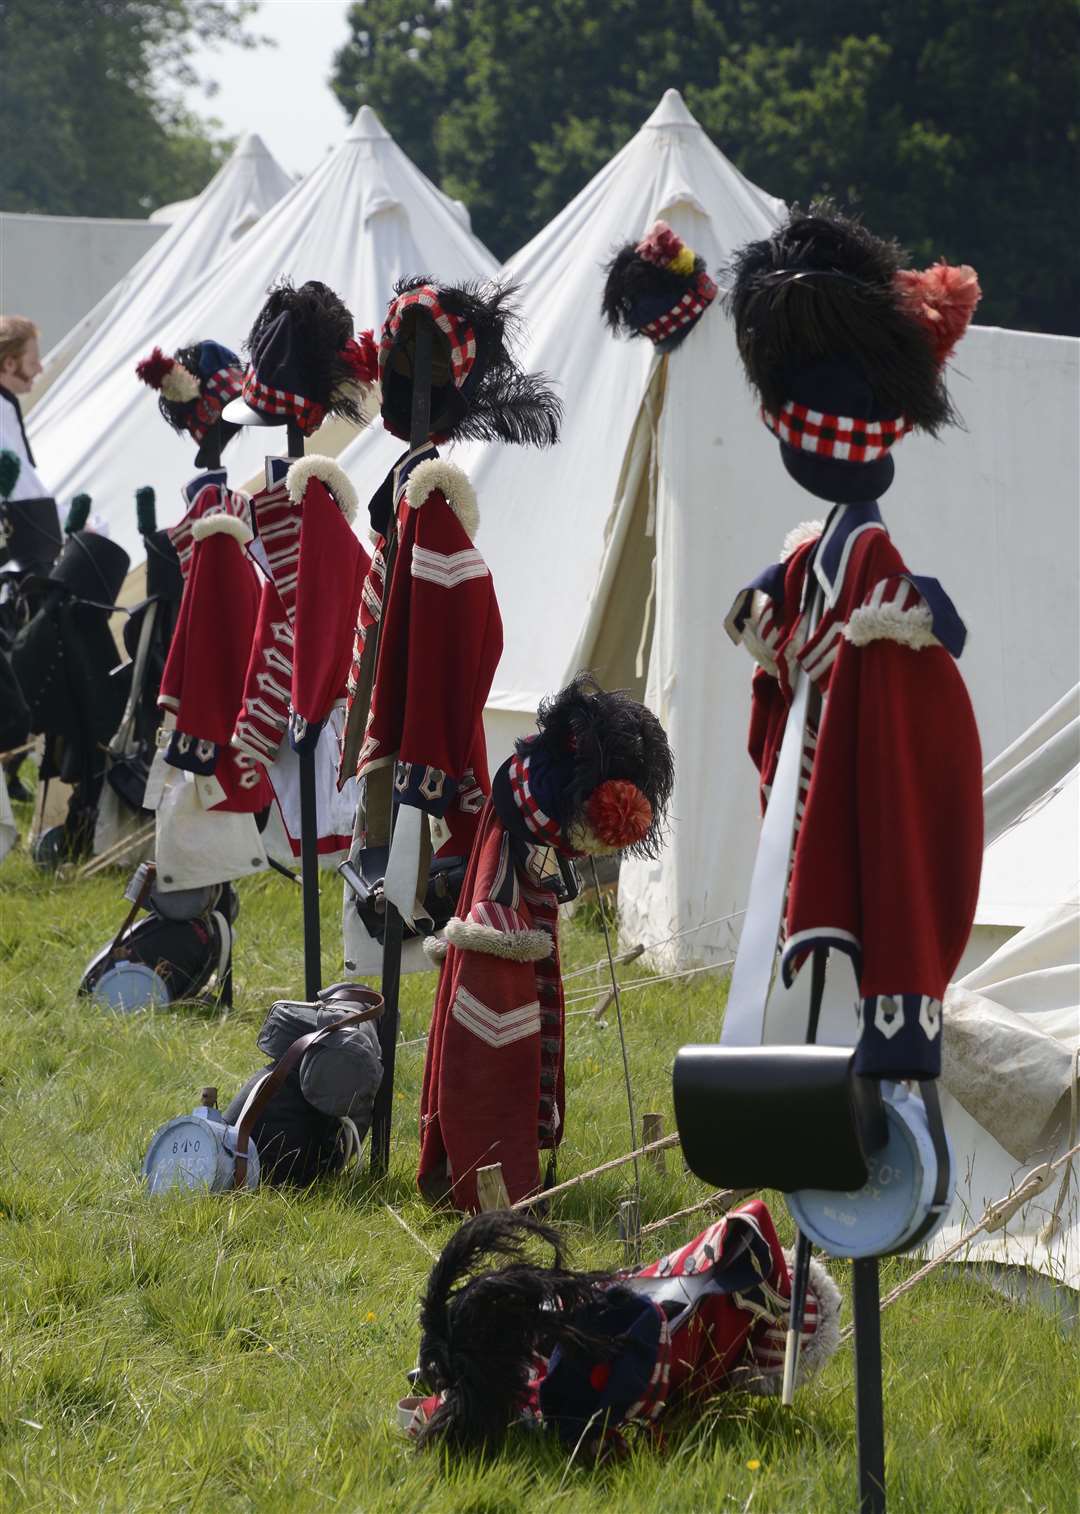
x: 950, y: 123
x: 89, y: 110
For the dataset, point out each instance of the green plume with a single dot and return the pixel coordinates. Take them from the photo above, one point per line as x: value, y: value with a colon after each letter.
x: 145, y: 513
x: 78, y: 514
x: 10, y: 468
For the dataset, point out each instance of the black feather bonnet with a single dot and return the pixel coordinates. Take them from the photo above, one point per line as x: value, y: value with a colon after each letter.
x: 595, y: 780
x: 480, y: 1330
x: 305, y: 362
x: 831, y: 325
x: 194, y: 386
x: 658, y: 288
x: 478, y: 390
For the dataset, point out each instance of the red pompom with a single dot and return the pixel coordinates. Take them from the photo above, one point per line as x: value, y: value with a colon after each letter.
x: 619, y: 813
x: 362, y: 357
x: 942, y: 299
x: 152, y: 369
x: 599, y: 1376
x: 660, y: 245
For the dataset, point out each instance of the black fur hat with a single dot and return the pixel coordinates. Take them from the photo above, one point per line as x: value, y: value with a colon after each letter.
x: 658, y: 288
x: 831, y: 326
x: 478, y: 389
x: 595, y: 780
x: 305, y: 362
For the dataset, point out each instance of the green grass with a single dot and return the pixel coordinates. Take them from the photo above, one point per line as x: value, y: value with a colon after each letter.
x: 234, y: 1354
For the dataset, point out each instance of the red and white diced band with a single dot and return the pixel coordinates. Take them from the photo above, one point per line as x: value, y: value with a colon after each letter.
x: 843, y: 437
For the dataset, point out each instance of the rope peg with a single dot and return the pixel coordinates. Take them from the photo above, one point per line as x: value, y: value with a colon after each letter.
x: 630, y: 1229
x: 604, y: 1005
x: 652, y: 1130
x: 491, y: 1187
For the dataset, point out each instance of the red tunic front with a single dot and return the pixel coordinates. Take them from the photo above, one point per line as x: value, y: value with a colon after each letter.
x: 493, y: 1079
x: 888, y: 843
x: 438, y: 647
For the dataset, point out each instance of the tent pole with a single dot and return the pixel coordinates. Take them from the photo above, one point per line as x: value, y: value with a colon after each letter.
x: 382, y: 1114
x: 309, y: 828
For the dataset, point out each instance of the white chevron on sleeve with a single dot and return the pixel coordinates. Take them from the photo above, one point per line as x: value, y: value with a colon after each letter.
x: 448, y: 568
x: 489, y: 1025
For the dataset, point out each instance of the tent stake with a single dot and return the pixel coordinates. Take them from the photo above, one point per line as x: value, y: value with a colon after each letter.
x: 491, y: 1187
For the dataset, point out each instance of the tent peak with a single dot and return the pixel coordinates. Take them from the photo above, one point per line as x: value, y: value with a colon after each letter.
x: 251, y: 145
x: 366, y: 127
x: 672, y: 111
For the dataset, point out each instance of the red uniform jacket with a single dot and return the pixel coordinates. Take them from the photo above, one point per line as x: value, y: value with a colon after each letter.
x: 888, y: 845
x: 203, y: 681
x: 317, y: 566
x: 314, y: 567
x: 440, y: 644
x: 493, y: 1080
x: 722, y: 1328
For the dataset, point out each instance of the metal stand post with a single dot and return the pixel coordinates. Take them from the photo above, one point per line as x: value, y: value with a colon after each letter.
x: 869, y: 1414
x: 309, y: 864
x: 309, y: 829
x: 382, y: 1114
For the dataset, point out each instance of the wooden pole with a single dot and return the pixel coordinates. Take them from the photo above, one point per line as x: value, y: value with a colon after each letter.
x: 382, y: 1114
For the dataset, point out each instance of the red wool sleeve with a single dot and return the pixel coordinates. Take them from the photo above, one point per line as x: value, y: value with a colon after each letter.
x: 331, y: 571
x: 920, y: 817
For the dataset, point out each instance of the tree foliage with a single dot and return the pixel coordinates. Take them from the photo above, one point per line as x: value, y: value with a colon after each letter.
x: 950, y: 124
x: 89, y: 104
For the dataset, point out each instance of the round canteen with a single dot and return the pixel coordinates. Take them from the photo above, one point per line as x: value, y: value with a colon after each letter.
x: 889, y: 1212
x: 197, y: 1150
x: 128, y: 987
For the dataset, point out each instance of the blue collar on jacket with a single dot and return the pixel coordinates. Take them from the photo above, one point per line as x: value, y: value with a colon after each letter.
x: 194, y: 486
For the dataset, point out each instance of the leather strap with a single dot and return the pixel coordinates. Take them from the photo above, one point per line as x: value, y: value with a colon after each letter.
x: 752, y: 975
x: 138, y: 903
x: 267, y: 1087
x: 943, y: 1177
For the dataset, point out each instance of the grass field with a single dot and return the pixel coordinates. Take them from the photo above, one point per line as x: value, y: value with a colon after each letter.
x: 235, y: 1354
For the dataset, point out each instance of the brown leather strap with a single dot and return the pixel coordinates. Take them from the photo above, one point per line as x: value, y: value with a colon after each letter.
x: 140, y: 900
x: 264, y: 1091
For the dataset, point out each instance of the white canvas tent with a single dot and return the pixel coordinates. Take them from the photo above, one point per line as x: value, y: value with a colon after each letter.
x: 365, y: 216
x: 1010, y: 1094
x: 209, y: 228
x: 553, y: 523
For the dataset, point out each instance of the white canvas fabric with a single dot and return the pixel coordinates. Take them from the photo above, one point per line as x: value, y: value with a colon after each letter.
x: 196, y: 846
x: 1010, y: 1097
x: 365, y: 216
x: 208, y: 229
